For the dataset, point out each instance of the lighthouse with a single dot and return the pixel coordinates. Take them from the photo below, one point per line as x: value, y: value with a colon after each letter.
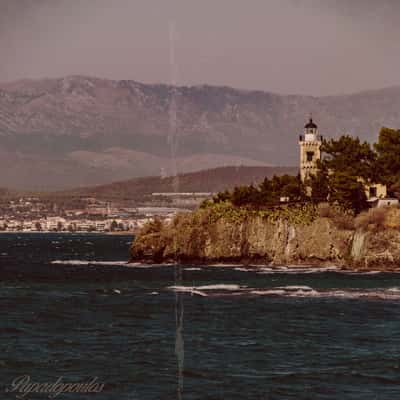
x: 310, y: 150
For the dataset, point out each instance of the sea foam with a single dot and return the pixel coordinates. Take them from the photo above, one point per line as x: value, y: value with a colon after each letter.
x: 294, y: 291
x: 88, y: 262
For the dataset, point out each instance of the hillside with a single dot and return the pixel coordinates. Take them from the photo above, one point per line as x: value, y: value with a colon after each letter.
x: 213, y: 180
x: 67, y: 132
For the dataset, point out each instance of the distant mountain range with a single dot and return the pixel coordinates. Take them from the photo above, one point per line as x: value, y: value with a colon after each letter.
x: 60, y: 133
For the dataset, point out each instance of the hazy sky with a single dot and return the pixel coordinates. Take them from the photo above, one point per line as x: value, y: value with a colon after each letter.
x: 287, y: 46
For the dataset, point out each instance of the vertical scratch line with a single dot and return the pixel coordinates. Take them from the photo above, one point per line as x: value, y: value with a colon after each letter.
x: 179, y: 342
x: 173, y: 144
x: 173, y: 118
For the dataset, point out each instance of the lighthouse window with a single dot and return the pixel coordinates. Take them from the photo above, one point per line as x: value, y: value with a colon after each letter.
x: 310, y: 155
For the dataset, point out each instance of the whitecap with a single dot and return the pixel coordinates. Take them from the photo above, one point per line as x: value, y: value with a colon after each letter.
x: 296, y: 270
x: 88, y: 262
x: 394, y: 289
x: 305, y: 291
x: 222, y: 265
x: 187, y: 289
x: 202, y: 290
x: 220, y: 287
x: 268, y: 292
x: 361, y: 272
x: 145, y: 266
x: 295, y: 288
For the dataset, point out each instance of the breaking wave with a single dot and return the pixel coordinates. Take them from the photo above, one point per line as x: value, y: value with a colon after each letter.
x: 296, y: 269
x: 100, y: 263
x: 392, y: 293
x: 88, y: 262
x: 202, y: 290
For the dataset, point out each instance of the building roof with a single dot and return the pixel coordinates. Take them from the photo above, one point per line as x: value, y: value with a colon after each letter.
x: 310, y: 125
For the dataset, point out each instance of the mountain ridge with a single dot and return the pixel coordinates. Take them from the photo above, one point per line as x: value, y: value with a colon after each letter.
x: 78, y: 130
x: 24, y: 81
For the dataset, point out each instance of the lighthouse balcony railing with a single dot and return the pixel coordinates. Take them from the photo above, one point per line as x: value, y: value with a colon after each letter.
x: 318, y: 138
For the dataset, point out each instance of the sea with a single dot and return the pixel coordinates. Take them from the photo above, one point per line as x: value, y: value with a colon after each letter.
x: 74, y: 312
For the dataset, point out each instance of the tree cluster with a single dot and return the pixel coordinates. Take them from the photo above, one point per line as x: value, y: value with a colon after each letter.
x: 388, y: 158
x: 346, y: 167
x: 266, y: 194
x: 348, y: 164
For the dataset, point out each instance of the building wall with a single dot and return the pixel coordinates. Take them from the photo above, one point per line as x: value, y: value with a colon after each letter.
x: 387, y: 202
x: 381, y: 190
x: 308, y: 168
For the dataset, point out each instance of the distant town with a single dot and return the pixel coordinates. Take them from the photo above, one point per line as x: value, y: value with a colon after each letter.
x: 123, y: 206
x: 89, y: 214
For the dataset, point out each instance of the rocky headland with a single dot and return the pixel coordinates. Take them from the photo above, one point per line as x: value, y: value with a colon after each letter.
x: 306, y: 235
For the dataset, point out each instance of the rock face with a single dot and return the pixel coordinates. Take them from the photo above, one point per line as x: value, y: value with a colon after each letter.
x: 197, y: 238
x: 378, y: 251
x: 57, y: 133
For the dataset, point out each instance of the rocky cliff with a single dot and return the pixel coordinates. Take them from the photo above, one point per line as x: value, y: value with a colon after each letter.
x: 207, y: 237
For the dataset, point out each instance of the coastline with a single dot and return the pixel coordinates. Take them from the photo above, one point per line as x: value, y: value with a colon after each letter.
x: 201, y: 238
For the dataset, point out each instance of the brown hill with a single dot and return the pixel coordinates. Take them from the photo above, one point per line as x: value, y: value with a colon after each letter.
x: 212, y: 180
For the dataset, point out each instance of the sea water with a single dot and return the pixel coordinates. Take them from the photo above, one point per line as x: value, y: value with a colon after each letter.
x: 72, y: 308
